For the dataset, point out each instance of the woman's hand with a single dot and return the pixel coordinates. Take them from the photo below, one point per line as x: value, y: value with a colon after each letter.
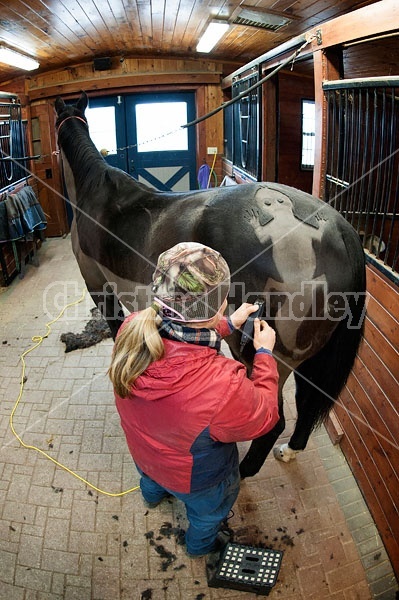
x: 242, y: 313
x: 264, y: 335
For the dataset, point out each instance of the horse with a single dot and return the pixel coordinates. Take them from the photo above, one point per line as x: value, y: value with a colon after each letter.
x: 284, y: 246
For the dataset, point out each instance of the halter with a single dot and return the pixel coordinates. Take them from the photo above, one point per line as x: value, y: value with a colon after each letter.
x: 67, y: 119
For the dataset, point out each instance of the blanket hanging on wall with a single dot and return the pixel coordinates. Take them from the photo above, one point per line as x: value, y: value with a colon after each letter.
x: 23, y: 214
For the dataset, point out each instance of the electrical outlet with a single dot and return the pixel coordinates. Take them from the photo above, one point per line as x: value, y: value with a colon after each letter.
x: 212, y: 150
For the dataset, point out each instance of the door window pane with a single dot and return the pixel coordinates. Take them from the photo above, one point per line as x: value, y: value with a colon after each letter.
x: 102, y: 128
x: 159, y: 126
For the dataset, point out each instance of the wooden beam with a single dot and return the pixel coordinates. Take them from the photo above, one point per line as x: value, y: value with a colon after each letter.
x: 362, y: 23
x: 327, y: 65
x: 111, y: 83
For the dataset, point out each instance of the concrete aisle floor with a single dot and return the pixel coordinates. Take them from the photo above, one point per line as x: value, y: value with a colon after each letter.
x: 62, y: 539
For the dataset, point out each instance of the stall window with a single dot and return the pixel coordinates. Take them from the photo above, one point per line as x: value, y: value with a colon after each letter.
x: 308, y: 134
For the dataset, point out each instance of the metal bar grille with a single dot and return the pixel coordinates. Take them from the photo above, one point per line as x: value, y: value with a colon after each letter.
x: 362, y: 170
x: 12, y: 142
x: 246, y: 126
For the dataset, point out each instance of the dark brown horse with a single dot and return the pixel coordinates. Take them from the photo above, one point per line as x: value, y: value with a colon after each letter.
x: 296, y: 252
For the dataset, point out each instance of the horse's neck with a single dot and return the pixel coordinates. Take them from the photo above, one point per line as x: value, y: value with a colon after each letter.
x: 80, y: 156
x: 78, y: 152
x: 69, y: 181
x: 78, y: 147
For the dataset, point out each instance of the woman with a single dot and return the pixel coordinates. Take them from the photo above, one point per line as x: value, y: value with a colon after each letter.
x: 183, y: 405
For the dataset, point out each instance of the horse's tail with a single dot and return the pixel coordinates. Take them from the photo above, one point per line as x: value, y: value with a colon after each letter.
x: 320, y: 378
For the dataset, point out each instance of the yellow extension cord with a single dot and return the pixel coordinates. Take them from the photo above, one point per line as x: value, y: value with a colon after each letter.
x: 210, y: 172
x: 38, y: 339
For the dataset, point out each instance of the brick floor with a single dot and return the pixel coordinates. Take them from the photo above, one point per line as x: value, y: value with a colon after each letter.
x: 62, y: 539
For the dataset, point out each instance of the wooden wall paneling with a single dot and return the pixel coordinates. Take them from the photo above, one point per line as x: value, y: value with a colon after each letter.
x: 367, y: 411
x: 132, y: 72
x: 371, y: 447
x: 209, y: 132
x: 112, y: 83
x: 374, y: 404
x: 375, y: 58
x: 214, y: 128
x: 364, y: 454
x: 388, y: 354
x: 200, y: 128
x: 376, y: 408
x: 371, y: 485
x: 384, y: 321
x: 16, y: 86
x: 47, y: 172
x: 382, y: 290
x: 291, y: 90
x: 372, y: 458
x: 383, y: 378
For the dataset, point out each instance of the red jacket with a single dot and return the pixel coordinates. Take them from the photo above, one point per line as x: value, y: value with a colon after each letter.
x: 187, y: 410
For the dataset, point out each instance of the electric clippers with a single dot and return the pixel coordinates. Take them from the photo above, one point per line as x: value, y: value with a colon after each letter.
x: 248, y: 328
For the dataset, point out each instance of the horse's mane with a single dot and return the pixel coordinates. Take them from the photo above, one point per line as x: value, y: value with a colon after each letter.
x: 89, y: 167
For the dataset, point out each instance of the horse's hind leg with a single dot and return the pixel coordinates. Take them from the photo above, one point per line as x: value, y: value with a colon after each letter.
x: 261, y: 446
x: 110, y: 307
x: 303, y: 428
x: 307, y: 414
x: 312, y: 407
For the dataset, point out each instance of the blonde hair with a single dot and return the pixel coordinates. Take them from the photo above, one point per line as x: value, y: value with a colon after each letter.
x: 136, y: 347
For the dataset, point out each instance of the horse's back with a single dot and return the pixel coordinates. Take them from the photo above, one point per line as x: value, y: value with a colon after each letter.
x: 282, y: 232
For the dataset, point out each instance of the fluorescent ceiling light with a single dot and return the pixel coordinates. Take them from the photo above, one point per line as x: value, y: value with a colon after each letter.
x: 211, y: 35
x: 15, y: 59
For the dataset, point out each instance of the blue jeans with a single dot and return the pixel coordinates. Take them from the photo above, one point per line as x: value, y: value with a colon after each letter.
x: 206, y: 509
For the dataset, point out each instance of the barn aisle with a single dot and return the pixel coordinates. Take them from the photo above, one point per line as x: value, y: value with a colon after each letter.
x: 62, y: 539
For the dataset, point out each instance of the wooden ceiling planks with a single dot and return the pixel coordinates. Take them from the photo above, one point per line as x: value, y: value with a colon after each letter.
x: 23, y: 28
x: 61, y: 33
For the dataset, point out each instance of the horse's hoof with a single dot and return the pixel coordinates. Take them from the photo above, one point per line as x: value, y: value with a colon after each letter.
x: 284, y: 453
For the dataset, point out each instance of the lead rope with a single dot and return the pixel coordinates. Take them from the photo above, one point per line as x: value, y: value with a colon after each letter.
x: 38, y: 339
x: 253, y: 87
